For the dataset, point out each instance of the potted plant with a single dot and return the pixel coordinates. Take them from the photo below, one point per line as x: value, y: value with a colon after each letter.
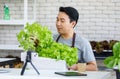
x: 39, y: 39
x: 114, y: 61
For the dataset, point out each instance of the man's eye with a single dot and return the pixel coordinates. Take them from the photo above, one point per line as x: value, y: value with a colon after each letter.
x: 57, y: 20
x: 62, y: 21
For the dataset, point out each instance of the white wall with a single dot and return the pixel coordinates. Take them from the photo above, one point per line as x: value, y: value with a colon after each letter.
x: 99, y: 19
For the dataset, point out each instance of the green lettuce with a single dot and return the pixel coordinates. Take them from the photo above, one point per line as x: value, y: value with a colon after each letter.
x: 39, y: 39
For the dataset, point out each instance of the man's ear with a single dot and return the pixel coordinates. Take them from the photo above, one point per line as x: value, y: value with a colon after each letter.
x: 73, y: 24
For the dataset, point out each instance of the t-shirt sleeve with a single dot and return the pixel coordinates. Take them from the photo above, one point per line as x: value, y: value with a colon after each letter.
x: 88, y: 54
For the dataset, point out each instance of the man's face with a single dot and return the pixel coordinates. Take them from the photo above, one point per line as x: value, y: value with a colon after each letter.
x: 63, y: 23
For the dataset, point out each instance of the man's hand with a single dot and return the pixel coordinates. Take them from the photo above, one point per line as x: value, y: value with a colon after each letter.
x: 90, y: 66
x: 36, y: 41
x: 73, y: 67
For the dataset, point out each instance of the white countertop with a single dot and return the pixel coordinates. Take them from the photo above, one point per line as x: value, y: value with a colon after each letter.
x: 49, y: 74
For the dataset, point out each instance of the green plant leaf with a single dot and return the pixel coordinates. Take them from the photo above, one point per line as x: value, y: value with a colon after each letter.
x: 110, y: 63
x: 114, y: 60
x: 116, y: 49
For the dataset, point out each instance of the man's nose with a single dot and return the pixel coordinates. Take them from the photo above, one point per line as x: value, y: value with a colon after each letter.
x: 58, y: 23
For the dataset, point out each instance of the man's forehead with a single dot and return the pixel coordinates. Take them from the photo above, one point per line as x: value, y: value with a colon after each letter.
x: 62, y: 15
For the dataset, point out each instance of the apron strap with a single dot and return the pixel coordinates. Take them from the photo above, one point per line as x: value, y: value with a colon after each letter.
x: 58, y: 38
x: 73, y: 40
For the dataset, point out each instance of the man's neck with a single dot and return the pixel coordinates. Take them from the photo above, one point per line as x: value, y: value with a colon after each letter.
x: 67, y: 35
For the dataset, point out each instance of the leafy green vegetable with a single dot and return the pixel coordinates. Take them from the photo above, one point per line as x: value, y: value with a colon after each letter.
x: 39, y: 38
x: 114, y: 60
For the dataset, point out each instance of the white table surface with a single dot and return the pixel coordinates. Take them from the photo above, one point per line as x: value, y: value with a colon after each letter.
x: 49, y: 74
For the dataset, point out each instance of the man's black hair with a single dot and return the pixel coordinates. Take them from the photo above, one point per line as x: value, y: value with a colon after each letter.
x: 71, y: 12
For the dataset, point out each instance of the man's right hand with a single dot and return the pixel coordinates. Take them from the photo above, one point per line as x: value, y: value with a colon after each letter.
x: 36, y: 41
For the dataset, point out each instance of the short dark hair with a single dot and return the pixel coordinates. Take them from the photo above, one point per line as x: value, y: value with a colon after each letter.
x: 71, y: 12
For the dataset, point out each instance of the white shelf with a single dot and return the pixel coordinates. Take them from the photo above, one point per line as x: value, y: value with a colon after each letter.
x: 14, y: 22
x: 25, y: 19
x: 10, y: 47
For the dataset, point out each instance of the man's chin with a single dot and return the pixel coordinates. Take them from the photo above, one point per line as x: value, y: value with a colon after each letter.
x: 60, y: 32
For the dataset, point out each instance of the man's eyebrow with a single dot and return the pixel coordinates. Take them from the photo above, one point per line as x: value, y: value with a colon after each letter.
x: 60, y: 18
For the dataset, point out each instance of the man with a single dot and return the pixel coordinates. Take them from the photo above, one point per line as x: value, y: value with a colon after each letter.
x: 66, y: 20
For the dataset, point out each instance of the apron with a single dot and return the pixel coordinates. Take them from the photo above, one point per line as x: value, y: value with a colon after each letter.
x: 73, y: 39
x: 73, y: 44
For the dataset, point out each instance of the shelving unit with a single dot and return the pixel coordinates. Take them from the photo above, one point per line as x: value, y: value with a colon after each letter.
x: 14, y: 22
x: 25, y: 19
x: 103, y: 55
x: 21, y: 22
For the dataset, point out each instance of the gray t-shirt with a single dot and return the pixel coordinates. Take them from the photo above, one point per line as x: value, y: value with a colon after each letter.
x: 85, y: 53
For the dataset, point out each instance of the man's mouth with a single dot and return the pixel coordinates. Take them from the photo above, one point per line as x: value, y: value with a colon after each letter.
x: 59, y: 29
